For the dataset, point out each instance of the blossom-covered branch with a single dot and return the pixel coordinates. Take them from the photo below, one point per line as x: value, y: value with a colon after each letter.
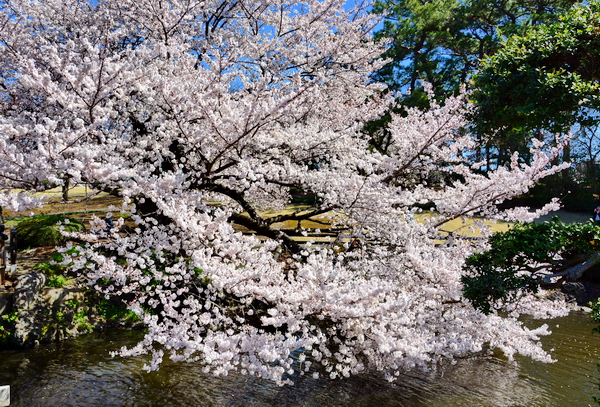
x: 180, y: 104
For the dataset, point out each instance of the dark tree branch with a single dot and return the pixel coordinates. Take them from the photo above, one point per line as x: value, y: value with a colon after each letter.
x: 575, y: 272
x: 266, y: 230
x: 297, y: 216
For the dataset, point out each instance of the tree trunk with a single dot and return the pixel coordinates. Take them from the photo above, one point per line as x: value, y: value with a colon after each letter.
x: 65, y: 189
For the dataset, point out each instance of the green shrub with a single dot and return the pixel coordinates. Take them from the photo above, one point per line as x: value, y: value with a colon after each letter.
x: 51, y: 269
x: 7, y: 323
x: 518, y: 257
x: 57, y: 282
x: 115, y: 310
x: 58, y: 274
x: 43, y: 230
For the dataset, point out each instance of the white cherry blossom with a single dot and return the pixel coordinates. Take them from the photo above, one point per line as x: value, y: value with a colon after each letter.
x: 202, y: 114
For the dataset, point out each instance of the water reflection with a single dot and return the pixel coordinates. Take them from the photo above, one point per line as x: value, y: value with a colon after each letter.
x: 80, y: 373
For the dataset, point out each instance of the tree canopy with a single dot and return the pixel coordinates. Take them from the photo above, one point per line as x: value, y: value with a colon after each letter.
x: 544, y: 80
x: 443, y: 42
x: 203, y: 115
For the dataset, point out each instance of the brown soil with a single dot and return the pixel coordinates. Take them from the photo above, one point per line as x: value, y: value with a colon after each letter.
x: 27, y: 259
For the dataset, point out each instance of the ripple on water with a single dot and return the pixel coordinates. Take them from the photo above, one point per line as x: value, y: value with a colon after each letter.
x: 80, y: 373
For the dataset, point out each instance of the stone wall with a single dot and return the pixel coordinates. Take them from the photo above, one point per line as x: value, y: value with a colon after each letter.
x: 32, y: 313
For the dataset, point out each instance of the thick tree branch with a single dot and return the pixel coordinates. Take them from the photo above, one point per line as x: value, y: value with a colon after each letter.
x: 256, y: 222
x: 267, y: 231
x: 575, y: 272
x: 298, y: 216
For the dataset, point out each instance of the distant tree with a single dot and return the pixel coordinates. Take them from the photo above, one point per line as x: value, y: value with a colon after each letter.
x: 585, y: 149
x: 544, y: 81
x: 442, y: 43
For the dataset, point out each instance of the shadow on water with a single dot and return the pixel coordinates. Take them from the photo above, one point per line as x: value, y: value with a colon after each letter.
x: 80, y: 372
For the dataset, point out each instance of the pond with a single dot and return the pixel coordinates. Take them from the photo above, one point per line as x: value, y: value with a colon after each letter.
x: 80, y: 372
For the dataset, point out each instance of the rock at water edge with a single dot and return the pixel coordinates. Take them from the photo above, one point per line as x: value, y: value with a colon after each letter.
x: 4, y: 396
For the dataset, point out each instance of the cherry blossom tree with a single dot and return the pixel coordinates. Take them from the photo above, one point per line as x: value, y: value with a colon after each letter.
x: 201, y: 115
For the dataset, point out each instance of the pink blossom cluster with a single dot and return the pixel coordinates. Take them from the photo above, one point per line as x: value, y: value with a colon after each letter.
x: 203, y: 114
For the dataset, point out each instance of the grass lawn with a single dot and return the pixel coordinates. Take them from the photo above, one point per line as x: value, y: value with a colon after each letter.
x: 78, y: 206
x: 82, y: 209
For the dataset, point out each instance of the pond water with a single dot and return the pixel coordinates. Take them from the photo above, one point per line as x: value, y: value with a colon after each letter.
x: 80, y: 372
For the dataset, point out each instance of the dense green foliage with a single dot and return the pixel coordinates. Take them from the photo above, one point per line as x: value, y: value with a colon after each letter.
x: 519, y: 258
x: 443, y: 41
x: 44, y: 230
x: 532, y: 67
x: 7, y: 323
x: 111, y: 310
x: 545, y: 80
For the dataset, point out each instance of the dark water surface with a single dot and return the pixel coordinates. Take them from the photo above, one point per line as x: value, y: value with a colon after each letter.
x: 81, y: 373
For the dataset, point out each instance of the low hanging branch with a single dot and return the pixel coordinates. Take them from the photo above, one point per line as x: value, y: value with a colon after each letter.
x: 575, y: 272
x: 517, y: 258
x: 268, y: 231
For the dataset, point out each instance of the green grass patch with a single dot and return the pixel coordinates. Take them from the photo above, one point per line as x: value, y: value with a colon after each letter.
x: 44, y: 230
